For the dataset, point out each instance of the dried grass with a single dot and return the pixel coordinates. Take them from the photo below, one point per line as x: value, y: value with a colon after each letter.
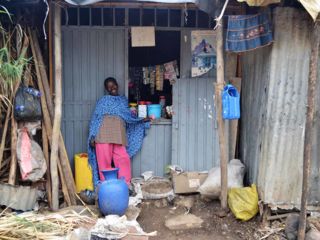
x: 30, y: 225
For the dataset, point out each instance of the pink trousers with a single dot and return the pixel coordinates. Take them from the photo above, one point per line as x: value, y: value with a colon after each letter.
x: 108, y: 151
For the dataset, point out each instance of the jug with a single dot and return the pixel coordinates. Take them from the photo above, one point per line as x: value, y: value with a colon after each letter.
x: 113, y: 193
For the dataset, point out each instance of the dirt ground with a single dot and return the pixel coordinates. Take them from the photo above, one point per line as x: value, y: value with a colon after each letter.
x: 154, y: 214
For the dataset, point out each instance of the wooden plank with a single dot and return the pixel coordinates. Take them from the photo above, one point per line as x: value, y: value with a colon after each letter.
x: 221, y: 125
x: 57, y: 108
x: 45, y: 146
x: 313, y: 72
x: 235, y: 81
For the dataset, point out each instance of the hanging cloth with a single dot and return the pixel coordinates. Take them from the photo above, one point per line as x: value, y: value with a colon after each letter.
x: 248, y: 32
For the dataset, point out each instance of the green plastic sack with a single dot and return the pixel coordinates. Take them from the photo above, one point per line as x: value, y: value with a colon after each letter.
x: 243, y: 202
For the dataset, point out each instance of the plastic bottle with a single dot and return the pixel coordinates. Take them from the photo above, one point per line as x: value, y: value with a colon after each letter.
x: 20, y: 108
x: 33, y: 92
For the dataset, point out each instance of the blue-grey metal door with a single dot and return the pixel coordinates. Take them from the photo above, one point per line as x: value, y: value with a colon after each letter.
x: 195, y: 145
x: 89, y: 56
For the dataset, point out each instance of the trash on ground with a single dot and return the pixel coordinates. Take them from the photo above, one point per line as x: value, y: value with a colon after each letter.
x: 188, y: 182
x: 115, y: 227
x: 243, y: 202
x: 211, y: 187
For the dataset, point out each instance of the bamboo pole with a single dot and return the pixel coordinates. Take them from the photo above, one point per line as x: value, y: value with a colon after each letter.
x: 313, y: 70
x: 221, y: 126
x: 57, y: 107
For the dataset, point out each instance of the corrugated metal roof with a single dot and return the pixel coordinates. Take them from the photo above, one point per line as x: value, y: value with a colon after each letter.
x: 274, y: 112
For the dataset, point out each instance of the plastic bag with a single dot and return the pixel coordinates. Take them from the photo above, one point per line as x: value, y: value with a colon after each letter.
x: 30, y: 157
x: 27, y: 106
x: 243, y: 202
x: 211, y: 187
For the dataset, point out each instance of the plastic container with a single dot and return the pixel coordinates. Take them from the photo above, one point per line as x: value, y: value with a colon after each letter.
x: 83, y: 174
x: 133, y: 109
x: 154, y: 111
x: 113, y: 194
x: 230, y: 103
x: 142, y: 111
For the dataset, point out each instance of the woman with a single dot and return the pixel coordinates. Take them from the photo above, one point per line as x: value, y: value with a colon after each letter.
x: 114, y: 134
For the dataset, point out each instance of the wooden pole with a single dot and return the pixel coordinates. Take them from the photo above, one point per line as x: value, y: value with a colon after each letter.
x: 313, y: 69
x: 13, y: 162
x: 46, y: 116
x: 45, y: 146
x: 57, y: 108
x: 62, y: 150
x: 221, y: 127
x: 4, y: 133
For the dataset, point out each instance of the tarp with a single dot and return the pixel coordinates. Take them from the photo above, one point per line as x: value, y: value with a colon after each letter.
x: 312, y: 6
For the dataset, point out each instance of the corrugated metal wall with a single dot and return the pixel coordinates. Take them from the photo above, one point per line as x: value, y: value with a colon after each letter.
x: 155, y: 154
x: 195, y: 144
x: 273, y: 112
x: 89, y: 56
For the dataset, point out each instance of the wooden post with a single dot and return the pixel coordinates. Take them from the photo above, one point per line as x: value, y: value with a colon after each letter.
x: 14, y: 161
x: 221, y: 128
x: 313, y: 70
x: 57, y: 108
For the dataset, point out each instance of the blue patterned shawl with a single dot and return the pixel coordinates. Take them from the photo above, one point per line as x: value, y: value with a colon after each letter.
x: 135, y: 127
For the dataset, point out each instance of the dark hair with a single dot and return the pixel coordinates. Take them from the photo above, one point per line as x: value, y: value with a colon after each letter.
x: 110, y: 79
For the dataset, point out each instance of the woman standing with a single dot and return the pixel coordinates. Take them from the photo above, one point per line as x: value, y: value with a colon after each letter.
x: 114, y: 135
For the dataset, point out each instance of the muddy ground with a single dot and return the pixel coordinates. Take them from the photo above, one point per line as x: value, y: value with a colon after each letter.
x: 154, y: 214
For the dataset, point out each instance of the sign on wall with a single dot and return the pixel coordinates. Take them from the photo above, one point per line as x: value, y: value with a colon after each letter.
x: 143, y: 37
x: 203, y: 49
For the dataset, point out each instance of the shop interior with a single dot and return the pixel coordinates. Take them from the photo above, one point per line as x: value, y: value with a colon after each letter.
x: 152, y: 72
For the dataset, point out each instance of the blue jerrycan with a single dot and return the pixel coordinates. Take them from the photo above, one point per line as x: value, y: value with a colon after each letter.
x: 230, y: 103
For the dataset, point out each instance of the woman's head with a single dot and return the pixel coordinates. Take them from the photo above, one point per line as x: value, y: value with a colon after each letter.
x: 111, y: 86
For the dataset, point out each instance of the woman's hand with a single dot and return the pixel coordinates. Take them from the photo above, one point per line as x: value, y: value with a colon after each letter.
x: 92, y: 143
x: 146, y: 119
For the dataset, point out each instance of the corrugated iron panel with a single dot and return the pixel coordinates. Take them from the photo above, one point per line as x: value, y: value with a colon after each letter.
x: 156, y: 152
x: 18, y: 197
x: 274, y: 106
x: 89, y: 56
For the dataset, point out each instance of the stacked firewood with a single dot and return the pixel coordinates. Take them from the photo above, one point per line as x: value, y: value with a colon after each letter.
x: 35, y: 74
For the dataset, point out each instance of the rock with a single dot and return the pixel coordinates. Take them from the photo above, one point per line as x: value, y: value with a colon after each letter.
x: 164, y: 202
x: 132, y: 213
x: 184, y: 222
x: 225, y: 227
x: 185, y: 202
x: 313, y: 234
x: 292, y: 225
x: 222, y: 213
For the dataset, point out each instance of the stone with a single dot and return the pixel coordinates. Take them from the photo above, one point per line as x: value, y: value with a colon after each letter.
x: 313, y: 234
x: 292, y: 225
x: 184, y: 222
x: 185, y: 202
